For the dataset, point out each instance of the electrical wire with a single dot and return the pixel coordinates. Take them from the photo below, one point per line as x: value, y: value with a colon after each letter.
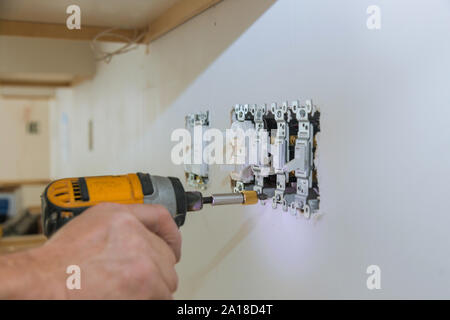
x: 106, y: 56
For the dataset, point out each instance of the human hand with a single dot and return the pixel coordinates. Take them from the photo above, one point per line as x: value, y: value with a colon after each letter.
x: 123, y: 251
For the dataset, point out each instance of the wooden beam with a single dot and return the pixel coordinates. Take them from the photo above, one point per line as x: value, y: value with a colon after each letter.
x: 179, y: 13
x: 25, y: 97
x: 59, y: 31
x: 18, y: 243
x: 46, y: 84
x: 34, y: 210
x: 78, y: 80
x: 21, y: 93
x: 14, y: 184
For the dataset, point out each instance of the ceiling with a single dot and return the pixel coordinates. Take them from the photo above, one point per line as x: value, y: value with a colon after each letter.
x: 108, y: 13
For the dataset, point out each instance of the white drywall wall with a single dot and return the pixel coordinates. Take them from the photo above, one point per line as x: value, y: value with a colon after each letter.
x: 24, y: 156
x: 384, y: 150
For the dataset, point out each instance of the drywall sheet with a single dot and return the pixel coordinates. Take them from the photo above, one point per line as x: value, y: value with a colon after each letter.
x: 24, y: 154
x: 384, y: 146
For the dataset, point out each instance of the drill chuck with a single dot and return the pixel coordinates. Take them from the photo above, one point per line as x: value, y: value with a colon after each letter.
x: 227, y: 199
x: 244, y: 197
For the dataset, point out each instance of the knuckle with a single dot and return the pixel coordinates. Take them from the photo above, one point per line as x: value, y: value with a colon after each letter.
x: 122, y: 216
x: 104, y: 206
x: 161, y: 209
x: 108, y: 210
x: 123, y: 220
x: 143, y: 270
x: 173, y: 285
x: 139, y: 275
x: 170, y: 254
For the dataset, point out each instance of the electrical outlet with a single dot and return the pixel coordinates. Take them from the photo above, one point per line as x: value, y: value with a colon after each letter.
x: 197, y: 172
x: 33, y: 127
x: 285, y: 170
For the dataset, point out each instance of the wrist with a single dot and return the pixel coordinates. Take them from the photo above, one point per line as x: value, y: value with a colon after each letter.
x: 14, y: 276
x: 28, y: 275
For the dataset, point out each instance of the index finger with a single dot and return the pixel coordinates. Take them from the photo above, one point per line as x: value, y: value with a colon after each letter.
x: 157, y: 219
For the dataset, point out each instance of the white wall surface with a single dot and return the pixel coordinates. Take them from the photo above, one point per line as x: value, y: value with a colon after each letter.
x: 24, y: 156
x: 384, y: 147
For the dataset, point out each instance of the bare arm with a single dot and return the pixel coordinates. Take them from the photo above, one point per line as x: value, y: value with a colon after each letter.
x: 124, y: 252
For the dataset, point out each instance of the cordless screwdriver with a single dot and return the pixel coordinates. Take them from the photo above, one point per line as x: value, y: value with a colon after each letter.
x: 65, y: 199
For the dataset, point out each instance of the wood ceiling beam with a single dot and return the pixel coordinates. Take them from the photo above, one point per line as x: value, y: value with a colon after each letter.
x: 8, y: 184
x: 179, y: 13
x: 45, y: 84
x: 59, y: 31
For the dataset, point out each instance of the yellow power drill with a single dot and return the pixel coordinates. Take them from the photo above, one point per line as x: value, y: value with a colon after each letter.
x: 65, y: 199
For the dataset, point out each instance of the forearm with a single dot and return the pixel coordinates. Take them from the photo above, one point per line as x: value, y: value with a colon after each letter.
x: 23, y: 276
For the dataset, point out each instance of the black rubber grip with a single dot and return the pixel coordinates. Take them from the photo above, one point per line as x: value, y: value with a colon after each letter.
x: 146, y: 183
x: 180, y: 197
x: 83, y: 189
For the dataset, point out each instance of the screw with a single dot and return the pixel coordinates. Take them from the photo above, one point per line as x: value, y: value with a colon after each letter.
x: 306, y: 212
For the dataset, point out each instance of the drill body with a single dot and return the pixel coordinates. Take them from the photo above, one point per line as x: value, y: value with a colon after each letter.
x: 65, y: 199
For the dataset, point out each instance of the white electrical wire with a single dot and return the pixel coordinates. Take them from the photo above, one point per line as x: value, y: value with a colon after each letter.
x: 131, y: 44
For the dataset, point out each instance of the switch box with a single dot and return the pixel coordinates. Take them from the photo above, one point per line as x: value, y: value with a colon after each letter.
x: 197, y: 172
x: 284, y: 147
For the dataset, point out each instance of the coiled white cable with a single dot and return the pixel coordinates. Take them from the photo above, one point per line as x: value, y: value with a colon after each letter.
x: 131, y: 44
